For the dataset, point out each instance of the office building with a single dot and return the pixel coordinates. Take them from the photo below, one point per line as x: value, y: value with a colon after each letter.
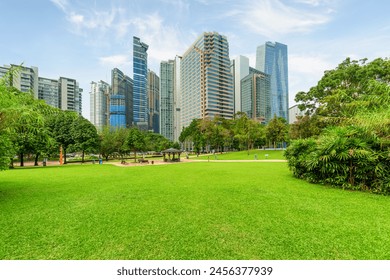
x: 140, y: 92
x: 63, y: 93
x: 70, y: 95
x: 154, y: 101
x: 99, y: 104
x: 24, y: 79
x: 167, y: 72
x: 239, y: 70
x: 272, y: 59
x: 48, y: 91
x: 205, y: 79
x: 121, y: 99
x: 255, y: 96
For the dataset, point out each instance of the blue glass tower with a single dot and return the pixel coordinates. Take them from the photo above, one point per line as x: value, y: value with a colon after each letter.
x: 271, y: 58
x: 121, y: 99
x: 140, y: 89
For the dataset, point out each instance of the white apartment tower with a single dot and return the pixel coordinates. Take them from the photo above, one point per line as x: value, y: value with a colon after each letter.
x: 206, y: 83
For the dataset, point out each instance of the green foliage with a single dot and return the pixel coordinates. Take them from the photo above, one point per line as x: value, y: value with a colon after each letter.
x: 60, y: 126
x: 350, y: 157
x: 242, y: 133
x: 276, y: 130
x: 135, y: 141
x: 353, y: 102
x: 84, y: 135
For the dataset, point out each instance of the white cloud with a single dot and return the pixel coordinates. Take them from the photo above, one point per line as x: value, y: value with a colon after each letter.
x: 314, y: 3
x: 270, y: 17
x: 62, y: 4
x: 76, y: 18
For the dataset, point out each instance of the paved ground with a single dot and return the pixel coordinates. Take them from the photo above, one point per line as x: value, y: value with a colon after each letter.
x: 130, y: 163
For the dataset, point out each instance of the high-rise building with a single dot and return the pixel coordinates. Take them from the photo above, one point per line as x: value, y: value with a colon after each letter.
x: 272, y: 59
x: 239, y: 69
x: 177, y: 100
x: 70, y: 95
x: 121, y: 99
x: 24, y: 79
x: 154, y: 101
x: 99, y: 106
x: 255, y: 96
x: 205, y: 79
x: 48, y: 91
x: 63, y: 93
x: 140, y: 91
x: 167, y: 73
x: 170, y: 126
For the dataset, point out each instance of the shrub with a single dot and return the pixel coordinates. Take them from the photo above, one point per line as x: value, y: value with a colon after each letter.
x: 350, y: 157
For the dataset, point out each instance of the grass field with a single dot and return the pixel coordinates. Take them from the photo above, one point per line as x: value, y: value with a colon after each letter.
x: 197, y: 210
x: 243, y: 155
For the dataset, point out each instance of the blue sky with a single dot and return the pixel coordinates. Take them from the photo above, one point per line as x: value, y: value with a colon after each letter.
x: 85, y: 39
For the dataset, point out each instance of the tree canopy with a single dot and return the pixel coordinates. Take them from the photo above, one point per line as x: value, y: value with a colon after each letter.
x: 351, y: 106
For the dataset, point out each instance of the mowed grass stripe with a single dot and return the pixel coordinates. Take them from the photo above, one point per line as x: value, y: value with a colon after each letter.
x: 185, y: 211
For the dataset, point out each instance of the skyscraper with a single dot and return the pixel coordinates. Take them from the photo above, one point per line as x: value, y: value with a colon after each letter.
x: 154, y: 101
x: 140, y: 92
x: 63, y: 93
x: 170, y: 99
x: 48, y: 91
x: 99, y: 104
x: 272, y: 59
x: 24, y: 79
x: 255, y: 96
x: 166, y: 97
x: 121, y: 99
x: 239, y: 69
x: 70, y: 95
x: 205, y: 79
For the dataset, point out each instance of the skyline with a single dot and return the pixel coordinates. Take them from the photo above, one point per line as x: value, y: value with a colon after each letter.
x: 85, y: 40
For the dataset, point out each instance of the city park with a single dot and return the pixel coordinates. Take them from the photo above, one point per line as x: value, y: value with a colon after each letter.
x: 324, y: 197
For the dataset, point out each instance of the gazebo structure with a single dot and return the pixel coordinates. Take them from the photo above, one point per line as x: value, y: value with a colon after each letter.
x: 169, y: 154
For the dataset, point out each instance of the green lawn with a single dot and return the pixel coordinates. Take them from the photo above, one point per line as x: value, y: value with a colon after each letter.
x: 197, y: 210
x: 243, y: 155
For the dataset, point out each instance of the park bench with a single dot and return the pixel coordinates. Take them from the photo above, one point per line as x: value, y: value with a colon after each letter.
x: 141, y: 160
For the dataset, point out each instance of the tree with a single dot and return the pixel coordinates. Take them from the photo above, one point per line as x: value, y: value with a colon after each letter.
x: 60, y: 126
x: 352, y: 103
x: 276, y: 130
x: 107, y: 142
x: 341, y: 92
x: 135, y: 141
x: 192, y: 133
x: 84, y: 135
x: 247, y: 131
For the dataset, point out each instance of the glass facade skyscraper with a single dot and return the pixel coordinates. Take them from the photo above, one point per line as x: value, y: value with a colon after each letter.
x: 140, y: 90
x: 48, y: 91
x: 205, y: 79
x: 272, y: 59
x: 121, y: 99
x: 154, y: 101
x: 255, y: 96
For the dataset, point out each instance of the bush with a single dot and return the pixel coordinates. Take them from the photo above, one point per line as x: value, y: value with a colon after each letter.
x: 350, y: 157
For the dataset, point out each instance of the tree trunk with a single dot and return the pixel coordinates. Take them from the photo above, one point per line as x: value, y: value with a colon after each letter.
x: 21, y: 159
x: 36, y: 159
x: 64, y: 155
x: 82, y: 157
x: 135, y: 156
